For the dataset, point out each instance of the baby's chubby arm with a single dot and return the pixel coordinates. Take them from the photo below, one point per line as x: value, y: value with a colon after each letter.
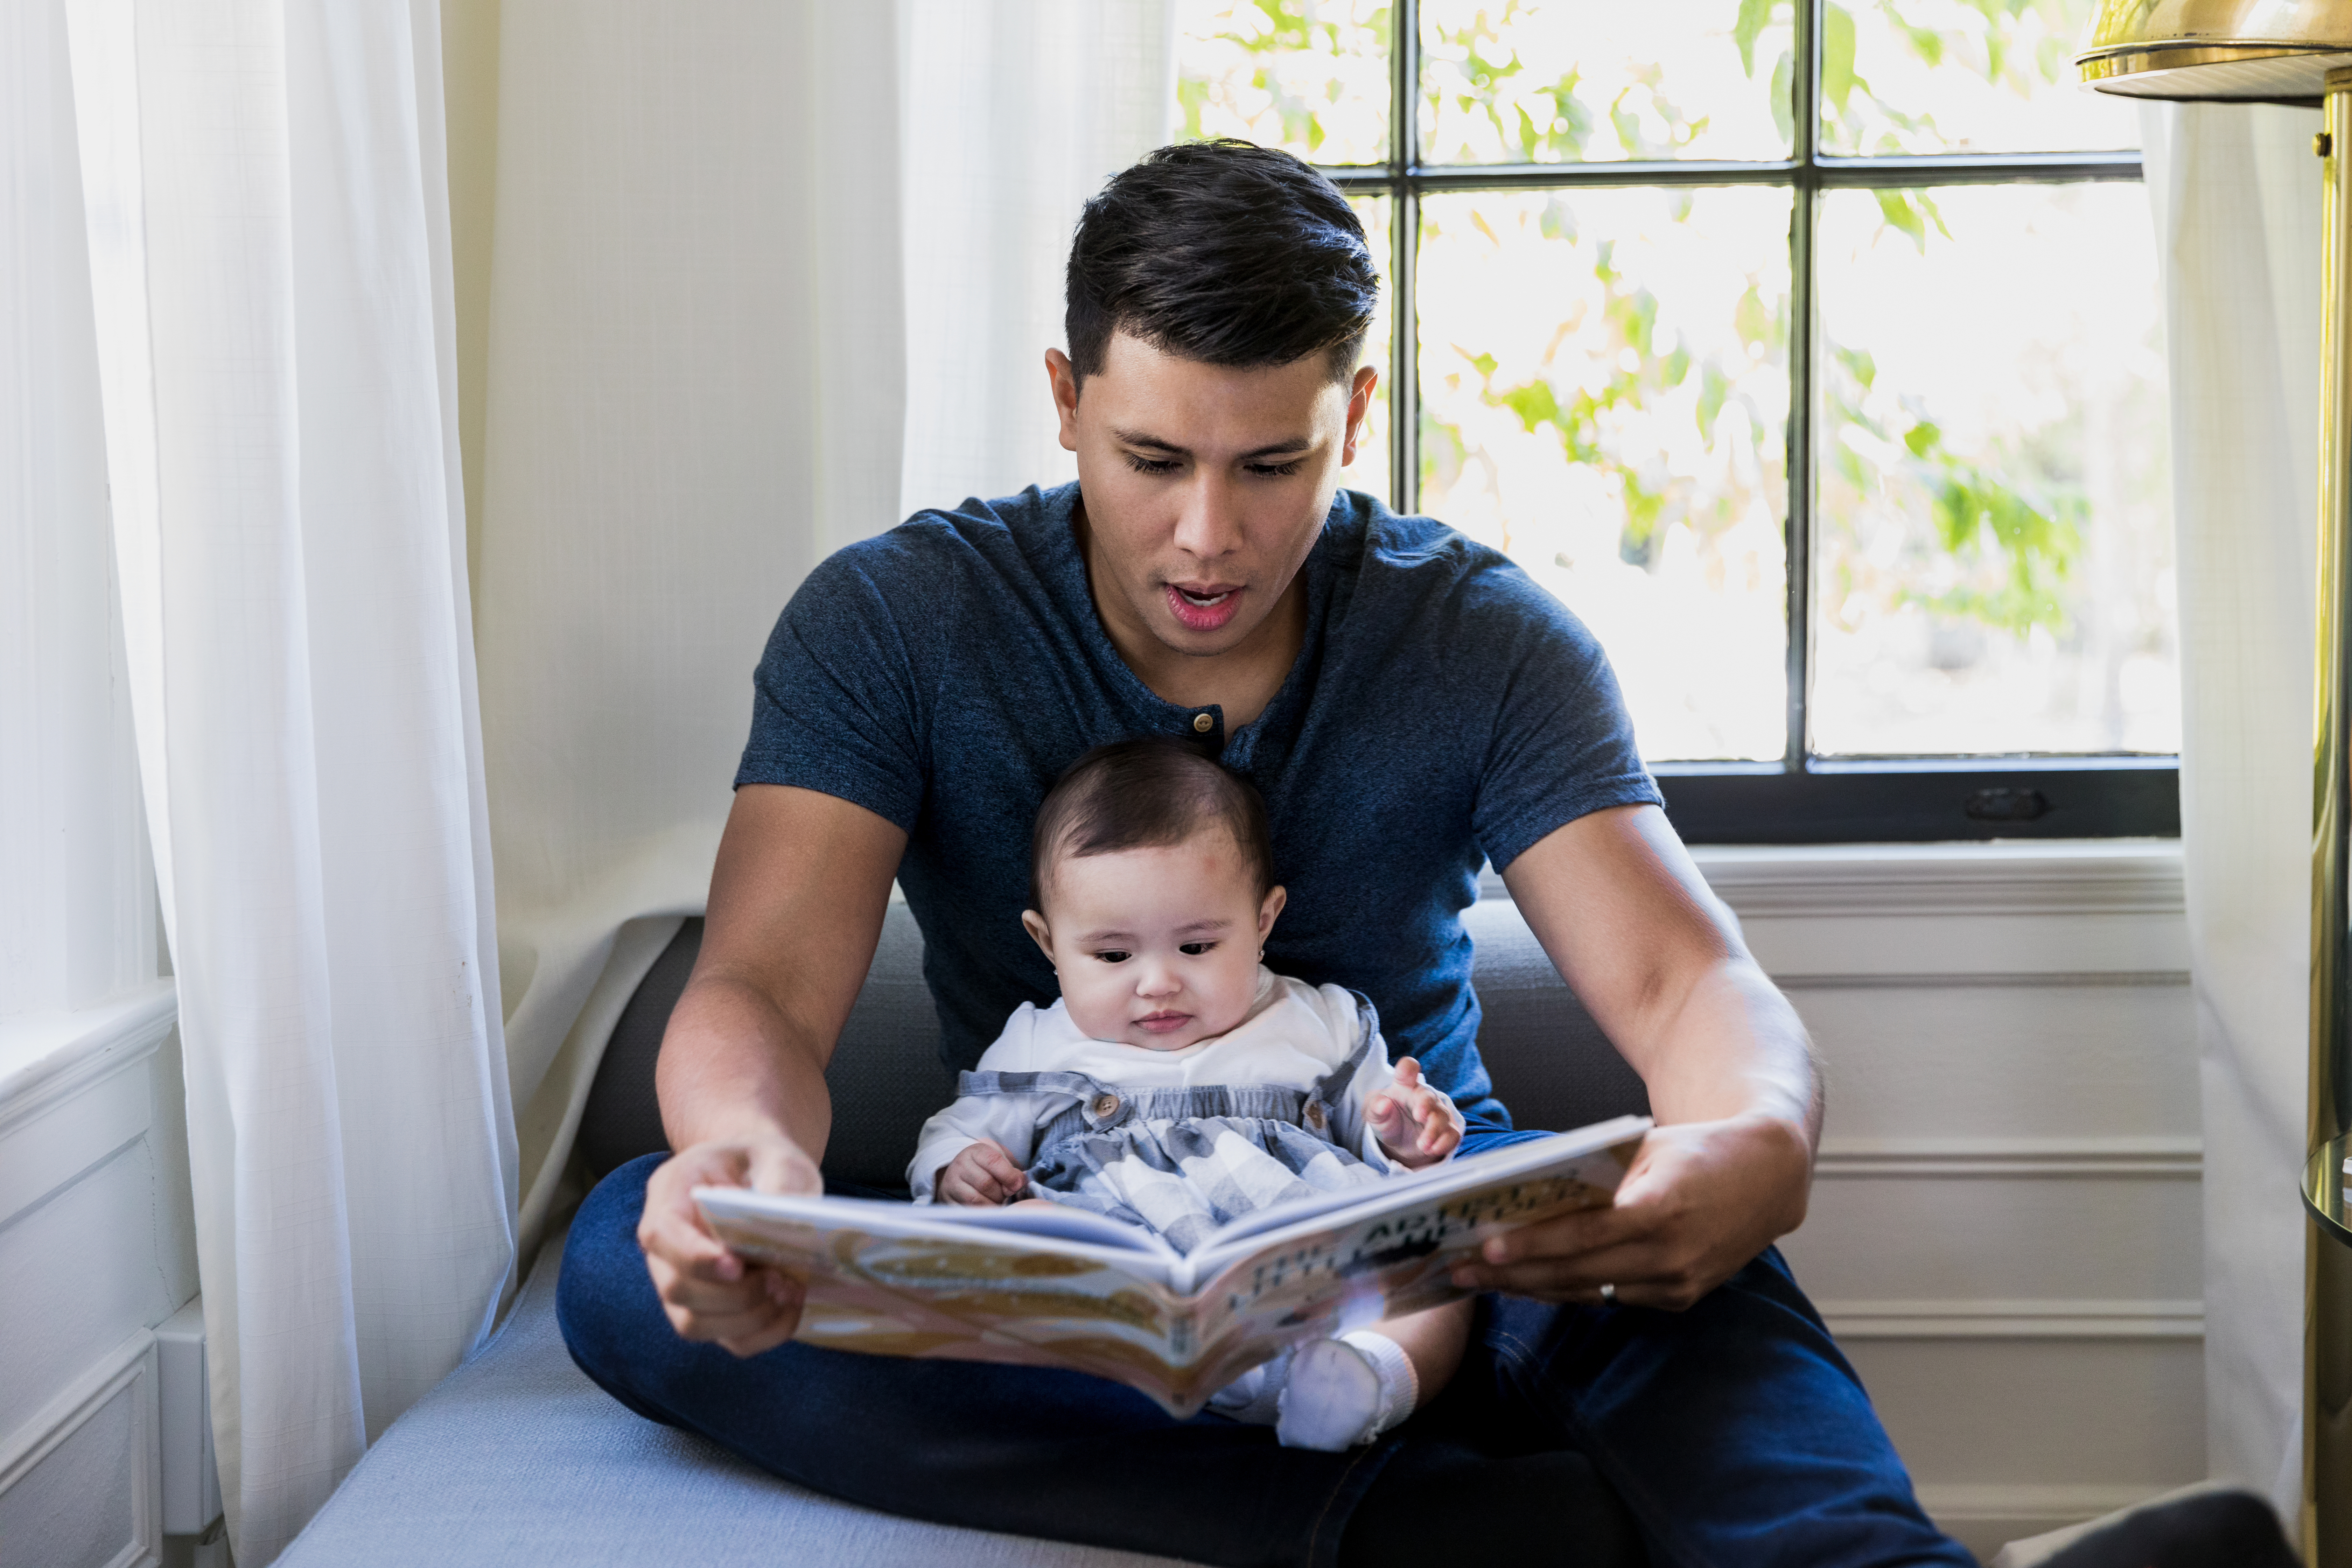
x: 977, y: 1149
x: 1391, y: 1111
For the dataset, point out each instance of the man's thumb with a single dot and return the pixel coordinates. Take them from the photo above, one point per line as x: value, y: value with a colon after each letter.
x: 780, y: 1168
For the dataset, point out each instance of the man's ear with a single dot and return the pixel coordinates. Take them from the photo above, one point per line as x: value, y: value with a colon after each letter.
x: 1276, y: 896
x: 1359, y: 408
x: 1065, y: 379
x: 1039, y: 932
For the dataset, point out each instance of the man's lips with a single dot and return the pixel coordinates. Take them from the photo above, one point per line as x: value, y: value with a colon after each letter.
x: 1204, y: 606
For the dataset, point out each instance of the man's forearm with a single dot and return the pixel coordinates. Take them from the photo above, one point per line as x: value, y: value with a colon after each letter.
x: 1734, y: 1047
x: 733, y: 1065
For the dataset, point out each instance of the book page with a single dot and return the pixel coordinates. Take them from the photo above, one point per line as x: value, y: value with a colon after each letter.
x: 1362, y: 1266
x: 963, y: 1285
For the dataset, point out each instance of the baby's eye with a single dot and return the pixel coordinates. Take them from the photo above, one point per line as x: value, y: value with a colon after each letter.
x: 1194, y: 949
x: 1114, y: 955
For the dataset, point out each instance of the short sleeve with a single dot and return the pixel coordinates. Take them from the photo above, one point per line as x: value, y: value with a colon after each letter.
x: 837, y: 703
x: 1562, y: 745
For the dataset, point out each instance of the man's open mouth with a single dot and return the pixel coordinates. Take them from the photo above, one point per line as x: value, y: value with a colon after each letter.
x: 1204, y: 606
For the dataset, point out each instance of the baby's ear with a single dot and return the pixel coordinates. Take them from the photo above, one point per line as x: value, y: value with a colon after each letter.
x: 1039, y: 932
x: 1276, y: 896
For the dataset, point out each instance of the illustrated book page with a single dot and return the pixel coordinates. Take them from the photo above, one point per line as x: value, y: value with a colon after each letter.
x: 1059, y: 1287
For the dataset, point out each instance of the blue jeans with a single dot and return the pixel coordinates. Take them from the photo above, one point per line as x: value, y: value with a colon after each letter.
x: 1734, y: 1434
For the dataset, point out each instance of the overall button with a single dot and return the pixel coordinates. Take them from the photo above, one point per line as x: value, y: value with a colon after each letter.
x: 1104, y: 1105
x: 1204, y: 723
x: 1315, y: 1114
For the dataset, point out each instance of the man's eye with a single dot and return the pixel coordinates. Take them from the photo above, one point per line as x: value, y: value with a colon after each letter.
x: 1194, y: 949
x: 1150, y: 465
x: 1114, y: 955
x: 1273, y: 470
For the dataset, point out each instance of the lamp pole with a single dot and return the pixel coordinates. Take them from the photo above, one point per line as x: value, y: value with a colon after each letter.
x: 2296, y: 51
x: 2327, y: 1250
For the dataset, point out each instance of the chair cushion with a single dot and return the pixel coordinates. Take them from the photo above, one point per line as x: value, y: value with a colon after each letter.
x: 517, y: 1460
x: 1551, y: 1064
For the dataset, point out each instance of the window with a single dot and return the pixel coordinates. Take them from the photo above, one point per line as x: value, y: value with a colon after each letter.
x: 1727, y: 317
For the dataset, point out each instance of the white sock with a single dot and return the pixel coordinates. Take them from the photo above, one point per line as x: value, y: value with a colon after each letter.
x: 1345, y: 1391
x: 1254, y: 1397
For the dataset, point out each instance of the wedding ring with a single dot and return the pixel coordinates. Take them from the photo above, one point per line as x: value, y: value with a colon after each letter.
x: 1608, y: 1295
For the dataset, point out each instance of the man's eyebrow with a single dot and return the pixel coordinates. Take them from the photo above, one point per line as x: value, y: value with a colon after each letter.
x: 1279, y: 449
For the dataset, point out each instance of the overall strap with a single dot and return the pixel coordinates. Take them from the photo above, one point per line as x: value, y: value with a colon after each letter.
x: 1331, y: 1089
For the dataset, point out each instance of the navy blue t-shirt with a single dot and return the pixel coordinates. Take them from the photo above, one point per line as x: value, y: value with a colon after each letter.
x: 1444, y: 711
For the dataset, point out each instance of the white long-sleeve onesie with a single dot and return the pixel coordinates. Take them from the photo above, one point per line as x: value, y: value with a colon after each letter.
x: 1293, y: 1036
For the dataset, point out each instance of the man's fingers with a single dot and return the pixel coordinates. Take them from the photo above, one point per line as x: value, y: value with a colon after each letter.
x: 1569, y: 1236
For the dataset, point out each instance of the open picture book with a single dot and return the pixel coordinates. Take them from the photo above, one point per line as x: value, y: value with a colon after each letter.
x: 1062, y: 1286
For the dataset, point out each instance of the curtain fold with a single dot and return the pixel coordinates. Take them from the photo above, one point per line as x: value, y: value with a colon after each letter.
x: 764, y: 278
x: 2236, y: 195
x: 266, y: 208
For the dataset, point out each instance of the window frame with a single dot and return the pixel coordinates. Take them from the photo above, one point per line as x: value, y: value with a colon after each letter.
x: 1802, y: 798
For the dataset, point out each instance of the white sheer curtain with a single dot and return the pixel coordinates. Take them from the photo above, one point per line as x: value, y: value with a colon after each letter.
x: 2236, y: 193
x: 263, y: 184
x: 764, y: 278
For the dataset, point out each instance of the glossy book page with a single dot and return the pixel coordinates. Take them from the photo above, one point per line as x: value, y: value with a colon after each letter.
x: 1064, y: 1288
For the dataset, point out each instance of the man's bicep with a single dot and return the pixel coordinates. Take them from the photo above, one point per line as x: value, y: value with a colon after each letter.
x: 1623, y: 912
x: 797, y: 899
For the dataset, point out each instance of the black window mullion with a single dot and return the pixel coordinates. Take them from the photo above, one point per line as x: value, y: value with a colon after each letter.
x: 1405, y: 244
x: 1804, y: 208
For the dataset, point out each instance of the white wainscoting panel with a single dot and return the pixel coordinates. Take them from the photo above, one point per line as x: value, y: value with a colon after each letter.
x: 96, y: 1246
x: 80, y: 1487
x: 2005, y: 1230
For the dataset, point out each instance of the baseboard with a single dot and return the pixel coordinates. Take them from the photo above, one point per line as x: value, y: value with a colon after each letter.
x: 1985, y: 1518
x: 2014, y: 1319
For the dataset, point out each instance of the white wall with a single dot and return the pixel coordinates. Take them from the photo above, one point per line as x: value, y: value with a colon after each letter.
x: 2005, y: 1228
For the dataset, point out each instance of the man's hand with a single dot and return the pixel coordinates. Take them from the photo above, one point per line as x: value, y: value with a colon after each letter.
x: 981, y: 1175
x: 708, y: 1291
x: 1417, y: 1124
x: 1702, y: 1198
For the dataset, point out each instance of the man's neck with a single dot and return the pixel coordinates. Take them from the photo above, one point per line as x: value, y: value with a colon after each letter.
x: 1240, y: 681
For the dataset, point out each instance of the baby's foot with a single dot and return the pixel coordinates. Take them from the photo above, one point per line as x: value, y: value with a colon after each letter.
x: 1345, y: 1391
x: 1253, y: 1397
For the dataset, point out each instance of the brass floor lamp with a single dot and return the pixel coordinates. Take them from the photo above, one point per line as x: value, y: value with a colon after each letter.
x: 2296, y: 51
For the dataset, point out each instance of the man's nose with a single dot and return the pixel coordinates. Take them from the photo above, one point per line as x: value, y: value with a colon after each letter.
x: 1210, y: 525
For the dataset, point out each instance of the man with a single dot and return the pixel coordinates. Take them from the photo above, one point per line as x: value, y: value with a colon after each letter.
x: 1410, y: 704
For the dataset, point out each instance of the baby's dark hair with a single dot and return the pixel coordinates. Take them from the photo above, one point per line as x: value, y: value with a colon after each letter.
x: 1149, y: 791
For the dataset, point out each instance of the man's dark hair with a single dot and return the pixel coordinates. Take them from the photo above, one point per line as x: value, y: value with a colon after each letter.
x: 1150, y: 791
x: 1223, y: 253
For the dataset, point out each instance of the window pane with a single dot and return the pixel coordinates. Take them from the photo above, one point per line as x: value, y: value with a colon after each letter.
x: 1993, y: 546
x: 1307, y: 75
x: 1604, y: 391
x: 1571, y: 81
x: 1940, y: 76
x: 1373, y: 469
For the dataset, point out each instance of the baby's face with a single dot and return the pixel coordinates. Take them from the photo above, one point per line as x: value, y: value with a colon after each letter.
x: 1156, y: 947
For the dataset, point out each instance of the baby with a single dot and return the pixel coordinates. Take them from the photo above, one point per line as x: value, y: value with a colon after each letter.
x: 1179, y: 1084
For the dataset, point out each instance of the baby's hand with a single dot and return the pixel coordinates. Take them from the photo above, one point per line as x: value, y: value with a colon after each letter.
x: 982, y: 1175
x: 1416, y: 1124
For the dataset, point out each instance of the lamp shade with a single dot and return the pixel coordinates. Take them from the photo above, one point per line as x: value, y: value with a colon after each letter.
x: 2243, y: 51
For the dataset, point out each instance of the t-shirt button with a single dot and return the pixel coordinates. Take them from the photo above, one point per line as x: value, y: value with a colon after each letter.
x: 1202, y: 722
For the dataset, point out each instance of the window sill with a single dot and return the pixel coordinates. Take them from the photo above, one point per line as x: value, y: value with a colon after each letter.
x: 45, y: 1058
